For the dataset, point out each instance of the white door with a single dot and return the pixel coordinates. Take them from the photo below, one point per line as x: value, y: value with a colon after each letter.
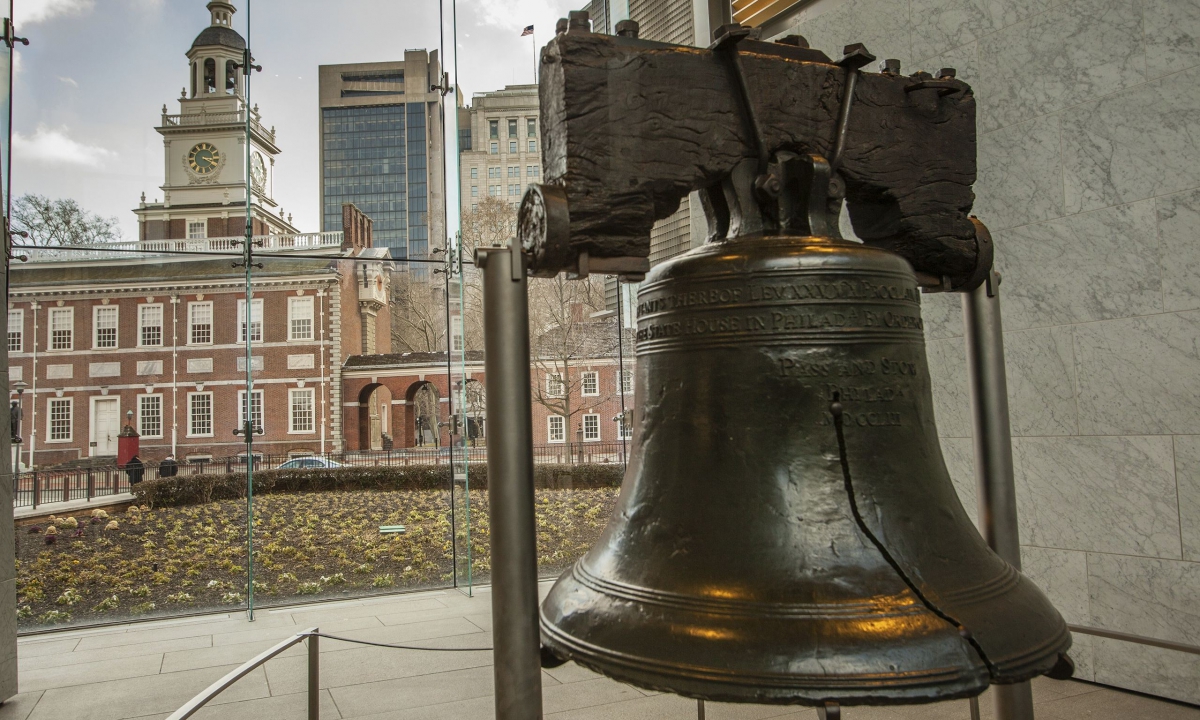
x: 106, y: 425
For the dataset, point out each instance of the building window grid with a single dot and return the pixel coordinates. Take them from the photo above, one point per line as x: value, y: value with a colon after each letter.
x: 300, y: 318
x: 555, y: 387
x: 514, y: 171
x: 514, y: 189
x: 591, y: 428
x: 197, y: 230
x: 301, y: 403
x: 624, y: 429
x: 256, y: 410
x: 256, y: 320
x: 105, y: 320
x: 150, y: 416
x: 556, y: 429
x: 62, y: 328
x: 626, y: 381
x: 512, y: 146
x: 16, y: 330
x: 150, y: 325
x: 532, y: 146
x: 59, y: 418
x: 590, y: 383
x: 493, y: 129
x: 512, y: 128
x: 532, y: 171
x: 200, y: 323
x: 474, y: 173
x: 531, y: 126
x: 200, y: 414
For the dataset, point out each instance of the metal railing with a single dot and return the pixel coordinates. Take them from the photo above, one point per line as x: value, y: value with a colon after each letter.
x: 191, y: 707
x: 140, y: 248
x: 222, y: 118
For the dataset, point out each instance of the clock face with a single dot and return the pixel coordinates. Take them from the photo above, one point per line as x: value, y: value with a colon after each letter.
x: 204, y: 158
x: 258, y: 170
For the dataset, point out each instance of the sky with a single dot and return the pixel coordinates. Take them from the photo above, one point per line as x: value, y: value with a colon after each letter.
x: 89, y: 88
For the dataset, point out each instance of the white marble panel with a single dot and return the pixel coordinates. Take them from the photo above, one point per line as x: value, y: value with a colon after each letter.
x: 959, y: 454
x: 149, y: 367
x: 1172, y: 30
x: 301, y: 362
x: 200, y: 365
x: 951, y: 398
x: 881, y: 25
x: 1081, y: 652
x: 104, y: 369
x: 1147, y: 669
x: 1140, y: 375
x: 59, y: 372
x: 1187, y: 476
x: 1145, y: 596
x: 942, y: 315
x: 1062, y: 575
x: 15, y: 373
x: 1020, y: 174
x: 256, y: 363
x: 1041, y: 381
x: 1071, y: 54
x: 1102, y: 494
x: 1135, y: 144
x: 1178, y: 228
x: 1093, y: 266
x: 940, y: 25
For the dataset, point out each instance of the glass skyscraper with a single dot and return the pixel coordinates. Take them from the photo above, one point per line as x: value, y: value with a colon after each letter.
x: 375, y: 149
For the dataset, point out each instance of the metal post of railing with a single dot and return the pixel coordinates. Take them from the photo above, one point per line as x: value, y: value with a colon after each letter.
x: 314, y: 677
x: 517, y: 653
x: 91, y: 484
x: 993, y: 452
x: 37, y: 495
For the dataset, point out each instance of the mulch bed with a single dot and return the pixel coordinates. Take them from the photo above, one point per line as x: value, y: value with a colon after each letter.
x: 307, y: 546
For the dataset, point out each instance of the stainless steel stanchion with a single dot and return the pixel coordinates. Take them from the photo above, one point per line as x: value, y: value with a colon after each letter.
x: 993, y: 452
x: 516, y: 654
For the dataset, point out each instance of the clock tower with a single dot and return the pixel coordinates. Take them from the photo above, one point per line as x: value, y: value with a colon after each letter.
x: 204, y: 148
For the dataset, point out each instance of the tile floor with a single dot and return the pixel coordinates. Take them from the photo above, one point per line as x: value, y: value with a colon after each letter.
x: 147, y: 670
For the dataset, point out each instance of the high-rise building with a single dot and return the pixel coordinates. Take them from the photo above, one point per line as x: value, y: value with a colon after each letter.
x: 381, y: 149
x: 500, y: 145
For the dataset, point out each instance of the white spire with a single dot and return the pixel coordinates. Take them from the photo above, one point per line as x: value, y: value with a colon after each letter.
x: 222, y: 13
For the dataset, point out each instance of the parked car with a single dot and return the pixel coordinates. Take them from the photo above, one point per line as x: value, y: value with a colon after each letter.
x: 305, y: 463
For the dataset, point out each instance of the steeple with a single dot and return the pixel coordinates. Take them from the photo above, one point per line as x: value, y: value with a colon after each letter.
x: 222, y: 13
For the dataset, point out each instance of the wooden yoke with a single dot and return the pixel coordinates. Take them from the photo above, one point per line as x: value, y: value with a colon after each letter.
x: 630, y: 127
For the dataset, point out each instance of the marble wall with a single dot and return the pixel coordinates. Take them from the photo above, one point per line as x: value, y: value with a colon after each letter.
x: 1089, y: 178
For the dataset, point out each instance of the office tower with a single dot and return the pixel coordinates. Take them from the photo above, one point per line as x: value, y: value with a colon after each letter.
x: 500, y: 148
x: 381, y: 149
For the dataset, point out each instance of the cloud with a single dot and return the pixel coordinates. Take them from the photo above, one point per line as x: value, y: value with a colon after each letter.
x: 54, y: 146
x: 32, y: 11
x: 68, y: 81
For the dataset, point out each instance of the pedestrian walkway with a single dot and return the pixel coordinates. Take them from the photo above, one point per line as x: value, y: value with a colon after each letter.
x: 144, y: 671
x: 71, y: 506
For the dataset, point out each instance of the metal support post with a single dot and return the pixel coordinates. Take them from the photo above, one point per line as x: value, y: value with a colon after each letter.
x: 314, y: 677
x: 517, y: 649
x: 993, y: 452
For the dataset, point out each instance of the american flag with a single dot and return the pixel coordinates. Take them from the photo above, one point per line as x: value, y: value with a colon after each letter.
x: 527, y: 31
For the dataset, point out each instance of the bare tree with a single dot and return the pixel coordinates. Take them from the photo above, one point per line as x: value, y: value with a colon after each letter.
x: 491, y: 222
x: 418, y: 313
x: 61, y: 222
x: 564, y: 334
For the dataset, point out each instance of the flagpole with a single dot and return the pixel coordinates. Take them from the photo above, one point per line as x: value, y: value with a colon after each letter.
x: 533, y: 37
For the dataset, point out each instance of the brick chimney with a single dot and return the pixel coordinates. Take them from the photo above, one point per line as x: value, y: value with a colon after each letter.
x: 356, y: 229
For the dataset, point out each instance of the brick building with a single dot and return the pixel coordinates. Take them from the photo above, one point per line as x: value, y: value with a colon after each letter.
x: 95, y: 335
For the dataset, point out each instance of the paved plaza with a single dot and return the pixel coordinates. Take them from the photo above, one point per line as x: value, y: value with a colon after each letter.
x: 147, y: 670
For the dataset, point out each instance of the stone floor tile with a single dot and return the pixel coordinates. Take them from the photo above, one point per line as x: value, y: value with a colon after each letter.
x: 27, y: 649
x: 278, y: 634
x: 415, y: 633
x: 148, y: 695
x: 19, y: 706
x: 317, y: 614
x: 1106, y: 703
x: 277, y: 707
x: 87, y: 673
x: 570, y: 673
x: 152, y: 632
x: 116, y: 653
x: 410, y: 692
x: 222, y: 655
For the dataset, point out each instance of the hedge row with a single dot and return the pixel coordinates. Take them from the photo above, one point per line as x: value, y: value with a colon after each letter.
x: 192, y: 489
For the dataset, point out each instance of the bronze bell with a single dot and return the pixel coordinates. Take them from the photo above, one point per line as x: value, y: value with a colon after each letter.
x: 787, y: 531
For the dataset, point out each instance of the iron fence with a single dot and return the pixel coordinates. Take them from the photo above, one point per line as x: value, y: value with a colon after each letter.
x: 64, y: 484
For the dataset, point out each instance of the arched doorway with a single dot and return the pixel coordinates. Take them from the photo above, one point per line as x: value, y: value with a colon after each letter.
x: 375, y: 417
x: 476, y: 411
x: 426, y: 414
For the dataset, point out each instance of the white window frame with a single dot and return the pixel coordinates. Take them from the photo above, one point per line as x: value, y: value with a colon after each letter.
x: 594, y: 420
x: 514, y: 189
x: 141, y: 414
x: 474, y: 173
x: 192, y: 325
x: 592, y: 375
x: 69, y: 404
x: 562, y: 429
x: 514, y: 171
x: 494, y: 149
x: 624, y: 432
x: 294, y: 315
x: 256, y: 323
x: 293, y: 393
x: 97, y: 311
x: 530, y: 127
x: 69, y: 314
x: 142, y: 326
x: 625, y: 378
x: 512, y: 146
x: 555, y: 379
x: 474, y: 191
x: 257, y: 403
x: 532, y: 171
x: 197, y: 229
x: 532, y: 146
x: 191, y: 418
x: 19, y: 334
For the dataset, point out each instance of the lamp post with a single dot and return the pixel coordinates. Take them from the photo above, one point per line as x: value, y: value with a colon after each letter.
x: 16, y: 413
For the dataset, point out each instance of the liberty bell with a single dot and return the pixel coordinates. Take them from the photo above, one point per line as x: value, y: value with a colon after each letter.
x: 787, y: 531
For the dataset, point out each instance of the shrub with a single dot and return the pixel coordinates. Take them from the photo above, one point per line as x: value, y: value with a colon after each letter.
x: 194, y: 489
